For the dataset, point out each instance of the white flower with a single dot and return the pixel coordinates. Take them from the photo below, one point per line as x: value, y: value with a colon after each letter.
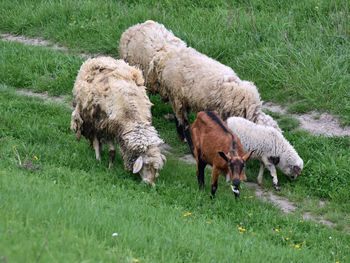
x: 114, y: 234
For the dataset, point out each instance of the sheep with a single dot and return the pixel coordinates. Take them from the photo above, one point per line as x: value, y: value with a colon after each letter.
x: 188, y: 79
x: 111, y: 102
x: 139, y: 44
x: 216, y: 145
x: 271, y: 148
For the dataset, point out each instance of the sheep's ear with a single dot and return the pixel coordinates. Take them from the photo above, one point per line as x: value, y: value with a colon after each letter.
x: 274, y: 159
x: 137, y: 165
x: 297, y: 170
x: 223, y: 156
x: 247, y: 155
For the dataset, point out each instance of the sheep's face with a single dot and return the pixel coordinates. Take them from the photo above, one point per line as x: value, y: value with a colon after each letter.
x: 292, y: 170
x: 148, y: 167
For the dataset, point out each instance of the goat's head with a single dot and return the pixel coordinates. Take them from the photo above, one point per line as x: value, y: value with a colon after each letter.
x: 236, y: 166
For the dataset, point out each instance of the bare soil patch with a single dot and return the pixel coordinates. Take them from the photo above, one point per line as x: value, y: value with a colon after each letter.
x: 37, y: 41
x: 45, y: 96
x: 318, y: 124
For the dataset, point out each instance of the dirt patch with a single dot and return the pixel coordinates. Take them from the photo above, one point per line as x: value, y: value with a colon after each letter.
x: 188, y: 158
x: 318, y: 124
x: 309, y: 216
x: 285, y: 205
x: 45, y: 96
x: 37, y: 41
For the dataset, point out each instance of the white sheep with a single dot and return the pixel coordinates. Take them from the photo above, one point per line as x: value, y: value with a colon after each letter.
x: 139, y: 44
x: 188, y: 79
x: 271, y: 148
x: 111, y: 102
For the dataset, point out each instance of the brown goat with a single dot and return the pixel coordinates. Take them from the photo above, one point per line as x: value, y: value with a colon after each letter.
x: 215, y: 144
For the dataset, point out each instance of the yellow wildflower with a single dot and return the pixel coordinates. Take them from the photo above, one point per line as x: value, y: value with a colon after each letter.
x: 35, y: 157
x: 297, y: 246
x: 136, y: 260
x: 301, y: 221
x: 251, y: 196
x: 208, y: 222
x: 276, y: 229
x: 241, y: 229
x: 187, y: 214
x: 287, y: 238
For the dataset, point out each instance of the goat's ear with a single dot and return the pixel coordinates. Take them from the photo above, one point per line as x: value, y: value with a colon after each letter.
x: 137, y: 165
x: 247, y: 155
x: 297, y: 170
x: 274, y: 159
x: 223, y: 156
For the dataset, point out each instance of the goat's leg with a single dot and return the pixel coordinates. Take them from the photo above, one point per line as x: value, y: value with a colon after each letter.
x: 111, y: 152
x: 200, y: 173
x: 214, y: 185
x: 96, y: 145
x: 261, y: 172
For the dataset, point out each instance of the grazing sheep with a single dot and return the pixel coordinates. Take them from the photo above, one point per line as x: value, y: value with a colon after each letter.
x: 271, y: 148
x: 188, y: 79
x: 216, y: 145
x: 110, y: 102
x: 139, y: 44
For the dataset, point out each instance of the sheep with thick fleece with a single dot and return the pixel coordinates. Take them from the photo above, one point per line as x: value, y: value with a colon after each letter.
x: 271, y: 148
x: 139, y: 44
x: 189, y: 79
x: 111, y: 102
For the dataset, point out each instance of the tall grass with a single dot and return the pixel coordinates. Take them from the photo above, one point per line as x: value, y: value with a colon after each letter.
x: 296, y: 52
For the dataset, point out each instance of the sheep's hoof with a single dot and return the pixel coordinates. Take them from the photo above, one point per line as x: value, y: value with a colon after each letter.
x: 277, y: 187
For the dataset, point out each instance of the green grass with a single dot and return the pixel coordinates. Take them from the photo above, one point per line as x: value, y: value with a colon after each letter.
x: 68, y: 208
x: 64, y: 206
x: 296, y: 52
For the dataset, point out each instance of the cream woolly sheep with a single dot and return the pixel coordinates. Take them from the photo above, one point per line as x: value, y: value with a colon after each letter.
x: 271, y: 148
x: 189, y: 79
x: 139, y: 44
x: 110, y: 101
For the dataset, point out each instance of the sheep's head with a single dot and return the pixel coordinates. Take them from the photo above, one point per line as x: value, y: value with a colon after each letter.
x: 148, y: 165
x: 292, y: 169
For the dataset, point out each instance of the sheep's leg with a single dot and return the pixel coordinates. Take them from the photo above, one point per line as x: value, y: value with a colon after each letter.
x: 180, y: 130
x: 96, y: 145
x: 214, y: 185
x: 111, y: 152
x: 261, y: 172
x: 188, y: 133
x: 273, y: 173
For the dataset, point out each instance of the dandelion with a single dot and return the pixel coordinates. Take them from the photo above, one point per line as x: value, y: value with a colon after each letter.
x: 136, y: 260
x: 276, y: 229
x: 241, y: 229
x: 35, y: 157
x: 287, y: 238
x: 297, y: 246
x: 187, y: 214
x: 251, y: 196
x: 301, y: 221
x: 114, y: 234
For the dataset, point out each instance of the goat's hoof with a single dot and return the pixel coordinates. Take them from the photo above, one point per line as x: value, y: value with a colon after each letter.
x: 212, y: 197
x: 277, y: 187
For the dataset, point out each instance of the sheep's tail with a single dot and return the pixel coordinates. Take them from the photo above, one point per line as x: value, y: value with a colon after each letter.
x: 267, y: 120
x: 76, y: 123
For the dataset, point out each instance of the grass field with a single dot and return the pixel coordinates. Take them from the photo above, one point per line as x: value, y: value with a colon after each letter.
x: 61, y: 205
